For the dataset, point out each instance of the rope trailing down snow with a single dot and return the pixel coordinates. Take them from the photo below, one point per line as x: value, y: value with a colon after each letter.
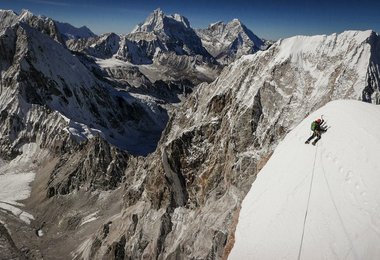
x: 339, y: 216
x: 308, y: 202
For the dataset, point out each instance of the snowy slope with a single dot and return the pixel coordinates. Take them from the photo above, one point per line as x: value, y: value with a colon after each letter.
x: 343, y: 220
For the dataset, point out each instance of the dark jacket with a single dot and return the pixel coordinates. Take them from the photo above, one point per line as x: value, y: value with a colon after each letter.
x: 315, y: 126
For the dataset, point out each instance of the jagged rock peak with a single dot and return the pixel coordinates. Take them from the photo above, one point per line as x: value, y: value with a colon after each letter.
x: 168, y: 34
x: 41, y: 23
x: 56, y: 30
x: 26, y: 14
x: 7, y: 18
x: 156, y: 21
x: 227, y: 42
x: 4, y: 13
x: 216, y: 24
x: 236, y: 21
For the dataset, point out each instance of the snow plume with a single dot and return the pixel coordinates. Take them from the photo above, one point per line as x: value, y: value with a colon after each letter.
x: 318, y: 202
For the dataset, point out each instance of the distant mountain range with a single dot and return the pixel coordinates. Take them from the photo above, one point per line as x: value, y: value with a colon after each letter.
x: 71, y: 32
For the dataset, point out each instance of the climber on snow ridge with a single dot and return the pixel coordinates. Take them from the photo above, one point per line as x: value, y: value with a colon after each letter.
x: 317, y: 129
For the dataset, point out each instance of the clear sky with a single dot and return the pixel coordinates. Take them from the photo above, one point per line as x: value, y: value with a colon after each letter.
x: 270, y: 19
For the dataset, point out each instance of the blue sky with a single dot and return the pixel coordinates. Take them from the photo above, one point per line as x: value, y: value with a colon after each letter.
x: 270, y: 19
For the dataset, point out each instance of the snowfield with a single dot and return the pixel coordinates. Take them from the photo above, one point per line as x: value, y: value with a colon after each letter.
x: 15, y: 179
x: 318, y: 202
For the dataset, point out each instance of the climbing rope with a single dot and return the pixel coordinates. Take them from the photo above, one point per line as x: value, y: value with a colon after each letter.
x: 339, y: 215
x: 308, y: 202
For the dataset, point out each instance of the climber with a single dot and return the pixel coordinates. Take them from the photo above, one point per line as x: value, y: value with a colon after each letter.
x: 317, y: 129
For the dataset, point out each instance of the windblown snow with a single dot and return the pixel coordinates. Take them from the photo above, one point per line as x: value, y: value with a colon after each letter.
x: 341, y: 218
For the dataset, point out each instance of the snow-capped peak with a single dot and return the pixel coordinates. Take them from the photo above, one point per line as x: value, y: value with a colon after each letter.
x: 7, y: 18
x: 218, y: 23
x: 227, y: 42
x: 171, y: 33
x: 155, y: 21
x: 25, y: 14
x: 8, y: 12
x: 235, y: 21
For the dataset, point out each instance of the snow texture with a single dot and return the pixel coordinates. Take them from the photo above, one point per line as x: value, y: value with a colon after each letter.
x: 15, y: 177
x: 342, y: 175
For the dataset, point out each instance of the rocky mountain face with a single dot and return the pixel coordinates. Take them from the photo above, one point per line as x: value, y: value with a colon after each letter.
x: 228, y: 42
x: 47, y: 89
x: 41, y: 23
x: 102, y: 47
x: 169, y: 33
x: 182, y: 201
x: 93, y: 197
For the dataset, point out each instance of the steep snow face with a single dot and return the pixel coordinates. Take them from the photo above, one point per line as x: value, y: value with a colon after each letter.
x: 227, y: 42
x: 335, y: 183
x: 71, y: 32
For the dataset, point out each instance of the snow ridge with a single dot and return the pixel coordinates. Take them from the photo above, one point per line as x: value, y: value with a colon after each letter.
x: 343, y: 217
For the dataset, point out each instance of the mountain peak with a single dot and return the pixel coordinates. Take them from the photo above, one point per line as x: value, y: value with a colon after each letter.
x: 226, y: 42
x: 216, y: 23
x: 155, y: 21
x: 235, y: 21
x: 26, y: 15
x: 157, y: 14
x: 181, y: 19
x: 7, y: 17
x: 158, y: 11
x: 4, y: 11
